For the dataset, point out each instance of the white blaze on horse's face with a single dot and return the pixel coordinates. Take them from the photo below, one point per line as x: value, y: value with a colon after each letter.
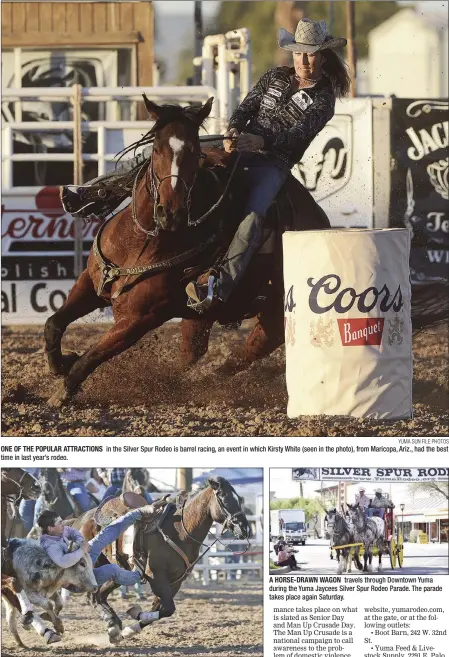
x: 176, y: 145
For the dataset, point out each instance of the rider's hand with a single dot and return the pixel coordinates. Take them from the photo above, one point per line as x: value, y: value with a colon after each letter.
x: 230, y: 145
x: 249, y: 142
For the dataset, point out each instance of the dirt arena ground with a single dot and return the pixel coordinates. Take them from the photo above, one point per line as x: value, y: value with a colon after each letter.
x: 224, y: 618
x: 143, y: 392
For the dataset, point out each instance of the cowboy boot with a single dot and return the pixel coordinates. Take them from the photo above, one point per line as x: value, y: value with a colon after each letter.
x: 208, y: 289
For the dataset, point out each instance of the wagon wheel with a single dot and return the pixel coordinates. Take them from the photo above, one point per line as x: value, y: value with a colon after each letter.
x: 392, y: 552
x: 400, y: 549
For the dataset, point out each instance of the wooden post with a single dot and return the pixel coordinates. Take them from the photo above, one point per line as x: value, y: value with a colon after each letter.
x: 350, y: 35
x: 198, y: 19
x: 77, y: 176
x: 185, y: 476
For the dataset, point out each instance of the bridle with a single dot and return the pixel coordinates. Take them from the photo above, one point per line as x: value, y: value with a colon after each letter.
x: 15, y: 498
x: 229, y: 518
x: 153, y: 184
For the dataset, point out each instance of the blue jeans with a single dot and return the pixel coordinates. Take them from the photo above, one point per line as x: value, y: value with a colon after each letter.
x: 79, y: 494
x: 263, y: 178
x: 26, y: 513
x: 370, y: 512
x: 39, y: 507
x: 108, y: 535
x: 112, y: 491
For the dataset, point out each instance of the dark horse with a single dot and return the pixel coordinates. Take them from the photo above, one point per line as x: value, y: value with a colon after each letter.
x: 17, y: 485
x: 137, y: 480
x: 341, y: 534
x: 370, y: 532
x: 168, y: 231
x: 56, y: 498
x: 168, y: 553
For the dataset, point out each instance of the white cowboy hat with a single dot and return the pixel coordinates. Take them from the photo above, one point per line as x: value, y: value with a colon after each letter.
x: 361, y: 488
x: 378, y: 490
x: 310, y: 36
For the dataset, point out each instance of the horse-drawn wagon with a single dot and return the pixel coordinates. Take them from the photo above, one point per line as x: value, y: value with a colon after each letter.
x: 390, y: 541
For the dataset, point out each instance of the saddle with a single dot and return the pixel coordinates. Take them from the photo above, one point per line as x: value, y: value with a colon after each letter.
x: 115, y: 507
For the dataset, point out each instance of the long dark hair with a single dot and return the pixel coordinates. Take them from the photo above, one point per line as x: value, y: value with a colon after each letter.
x: 336, y: 69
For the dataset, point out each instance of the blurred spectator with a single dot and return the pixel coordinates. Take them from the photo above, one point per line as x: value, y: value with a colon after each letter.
x: 95, y: 485
x: 74, y: 480
x: 26, y: 507
x: 116, y: 479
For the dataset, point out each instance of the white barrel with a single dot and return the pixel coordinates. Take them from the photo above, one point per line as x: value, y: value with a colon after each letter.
x: 348, y: 334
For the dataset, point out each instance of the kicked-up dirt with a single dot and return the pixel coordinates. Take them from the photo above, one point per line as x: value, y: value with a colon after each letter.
x: 143, y: 392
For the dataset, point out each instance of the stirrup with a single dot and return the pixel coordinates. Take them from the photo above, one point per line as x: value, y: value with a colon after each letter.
x: 205, y: 304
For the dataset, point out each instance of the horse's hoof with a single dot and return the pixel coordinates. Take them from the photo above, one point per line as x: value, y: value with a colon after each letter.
x: 114, y: 634
x: 131, y: 630
x: 59, y: 397
x: 52, y: 637
x: 63, y: 364
x: 134, y: 611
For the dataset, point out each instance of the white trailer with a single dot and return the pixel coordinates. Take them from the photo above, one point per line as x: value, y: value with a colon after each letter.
x: 289, y: 523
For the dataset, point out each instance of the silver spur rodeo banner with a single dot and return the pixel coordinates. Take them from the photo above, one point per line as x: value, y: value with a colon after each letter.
x: 371, y: 474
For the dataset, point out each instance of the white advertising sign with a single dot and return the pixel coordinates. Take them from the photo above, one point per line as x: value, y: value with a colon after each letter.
x: 348, y: 323
x: 337, y: 167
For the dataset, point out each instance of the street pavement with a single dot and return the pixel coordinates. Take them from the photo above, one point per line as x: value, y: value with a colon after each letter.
x: 430, y: 559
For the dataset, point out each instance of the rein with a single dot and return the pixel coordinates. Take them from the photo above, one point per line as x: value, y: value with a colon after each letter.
x: 14, y: 498
x: 110, y: 272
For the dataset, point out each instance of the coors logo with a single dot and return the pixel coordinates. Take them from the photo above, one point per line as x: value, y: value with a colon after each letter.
x: 326, y: 295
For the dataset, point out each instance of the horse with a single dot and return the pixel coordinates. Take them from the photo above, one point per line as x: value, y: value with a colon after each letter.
x: 341, y: 534
x: 55, y: 496
x: 137, y: 480
x: 370, y: 532
x: 17, y: 485
x: 180, y: 220
x: 167, y: 553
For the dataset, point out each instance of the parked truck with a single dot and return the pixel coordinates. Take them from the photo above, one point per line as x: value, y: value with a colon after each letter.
x: 289, y: 523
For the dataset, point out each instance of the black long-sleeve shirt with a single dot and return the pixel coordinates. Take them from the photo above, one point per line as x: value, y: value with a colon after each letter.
x: 288, y: 121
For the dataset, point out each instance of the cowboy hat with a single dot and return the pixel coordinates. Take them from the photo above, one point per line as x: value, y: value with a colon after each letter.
x: 310, y: 36
x: 378, y: 490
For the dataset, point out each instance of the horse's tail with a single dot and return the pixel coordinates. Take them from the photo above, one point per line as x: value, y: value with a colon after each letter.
x: 430, y: 304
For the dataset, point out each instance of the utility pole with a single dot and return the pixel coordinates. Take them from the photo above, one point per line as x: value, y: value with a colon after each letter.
x: 198, y: 19
x: 350, y: 35
x: 184, y: 477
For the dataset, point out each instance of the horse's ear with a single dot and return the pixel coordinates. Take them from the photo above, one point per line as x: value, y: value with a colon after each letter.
x: 213, y: 484
x: 204, y: 111
x: 152, y: 109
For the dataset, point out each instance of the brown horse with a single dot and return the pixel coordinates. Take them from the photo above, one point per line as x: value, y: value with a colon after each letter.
x: 167, y: 554
x: 169, y: 231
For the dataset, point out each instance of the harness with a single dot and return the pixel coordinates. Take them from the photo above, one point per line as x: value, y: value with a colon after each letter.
x: 109, y: 272
x: 189, y: 565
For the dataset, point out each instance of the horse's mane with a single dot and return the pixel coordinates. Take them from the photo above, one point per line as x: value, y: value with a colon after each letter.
x: 171, y: 114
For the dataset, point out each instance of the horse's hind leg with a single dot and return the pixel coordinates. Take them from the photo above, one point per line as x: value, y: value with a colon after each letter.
x: 81, y: 301
x: 195, y: 340
x: 117, y: 339
x: 11, y: 620
x: 99, y: 602
x: 266, y: 336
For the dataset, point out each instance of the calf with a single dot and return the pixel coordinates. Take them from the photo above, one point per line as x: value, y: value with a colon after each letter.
x: 41, y: 579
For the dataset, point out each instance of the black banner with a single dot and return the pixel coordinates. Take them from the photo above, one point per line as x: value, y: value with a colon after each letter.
x: 419, y: 183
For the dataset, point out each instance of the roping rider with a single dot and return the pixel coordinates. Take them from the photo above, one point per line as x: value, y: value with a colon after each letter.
x: 272, y: 128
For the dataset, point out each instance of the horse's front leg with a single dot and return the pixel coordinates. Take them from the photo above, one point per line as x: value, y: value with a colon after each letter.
x: 163, y: 605
x: 82, y: 300
x: 194, y: 340
x: 99, y: 602
x: 126, y: 332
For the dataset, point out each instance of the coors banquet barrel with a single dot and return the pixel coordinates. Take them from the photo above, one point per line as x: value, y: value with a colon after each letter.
x: 348, y: 334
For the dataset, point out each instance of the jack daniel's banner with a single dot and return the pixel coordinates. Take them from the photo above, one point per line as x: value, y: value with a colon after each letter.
x: 419, y: 183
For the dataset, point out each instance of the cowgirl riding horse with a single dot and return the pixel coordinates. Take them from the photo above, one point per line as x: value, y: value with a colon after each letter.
x: 272, y: 128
